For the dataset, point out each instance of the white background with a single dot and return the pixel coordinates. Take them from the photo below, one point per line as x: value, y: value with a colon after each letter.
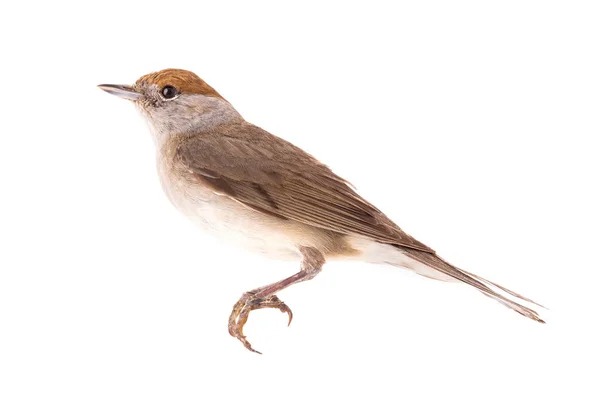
x: 474, y: 125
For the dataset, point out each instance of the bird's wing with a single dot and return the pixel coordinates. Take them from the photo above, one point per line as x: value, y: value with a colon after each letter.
x: 269, y: 174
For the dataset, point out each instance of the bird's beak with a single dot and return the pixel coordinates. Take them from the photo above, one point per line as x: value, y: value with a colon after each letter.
x: 122, y: 91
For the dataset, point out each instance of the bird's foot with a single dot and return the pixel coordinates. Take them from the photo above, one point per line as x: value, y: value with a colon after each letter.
x: 241, y: 310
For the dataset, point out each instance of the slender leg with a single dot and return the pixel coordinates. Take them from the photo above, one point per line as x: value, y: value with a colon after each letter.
x: 264, y: 297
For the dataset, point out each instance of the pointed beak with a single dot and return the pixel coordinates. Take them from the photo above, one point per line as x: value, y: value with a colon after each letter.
x: 122, y: 91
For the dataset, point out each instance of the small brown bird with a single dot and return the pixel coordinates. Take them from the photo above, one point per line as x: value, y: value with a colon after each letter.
x: 260, y: 192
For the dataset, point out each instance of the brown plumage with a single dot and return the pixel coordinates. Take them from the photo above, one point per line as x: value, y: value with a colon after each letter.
x: 261, y: 192
x: 184, y: 81
x: 275, y: 177
x: 272, y: 175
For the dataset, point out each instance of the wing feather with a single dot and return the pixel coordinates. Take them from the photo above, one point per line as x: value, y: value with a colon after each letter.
x: 270, y: 175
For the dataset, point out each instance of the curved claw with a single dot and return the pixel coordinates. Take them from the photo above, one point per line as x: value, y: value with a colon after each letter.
x: 285, y: 309
x: 241, y: 311
x: 247, y: 344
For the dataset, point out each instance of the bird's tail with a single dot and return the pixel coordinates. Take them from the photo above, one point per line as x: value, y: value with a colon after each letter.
x: 432, y: 266
x: 488, y: 288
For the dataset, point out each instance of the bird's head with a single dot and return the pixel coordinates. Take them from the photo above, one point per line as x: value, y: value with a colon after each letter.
x: 176, y: 101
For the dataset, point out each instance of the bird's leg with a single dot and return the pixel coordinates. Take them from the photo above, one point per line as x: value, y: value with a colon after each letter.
x: 264, y: 297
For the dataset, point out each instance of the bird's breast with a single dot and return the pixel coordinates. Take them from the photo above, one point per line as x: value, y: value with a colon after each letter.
x: 228, y: 219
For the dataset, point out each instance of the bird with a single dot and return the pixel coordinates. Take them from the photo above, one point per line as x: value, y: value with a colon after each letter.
x: 257, y: 191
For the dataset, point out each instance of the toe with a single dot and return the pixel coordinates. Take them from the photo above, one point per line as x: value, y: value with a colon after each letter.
x: 237, y: 320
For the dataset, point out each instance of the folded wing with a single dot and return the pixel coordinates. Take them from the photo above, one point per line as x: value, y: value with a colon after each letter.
x: 270, y: 175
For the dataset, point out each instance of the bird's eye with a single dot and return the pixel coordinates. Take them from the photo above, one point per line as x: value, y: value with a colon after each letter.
x: 168, y: 92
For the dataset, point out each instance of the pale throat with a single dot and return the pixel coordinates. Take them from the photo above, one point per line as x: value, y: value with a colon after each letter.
x: 189, y: 114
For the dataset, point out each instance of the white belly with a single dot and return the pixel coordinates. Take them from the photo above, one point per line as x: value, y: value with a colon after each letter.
x: 243, y: 227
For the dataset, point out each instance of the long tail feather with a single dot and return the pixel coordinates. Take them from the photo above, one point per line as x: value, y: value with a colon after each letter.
x: 483, y: 285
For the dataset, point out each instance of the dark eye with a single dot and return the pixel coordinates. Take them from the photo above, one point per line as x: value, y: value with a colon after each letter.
x: 168, y: 92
